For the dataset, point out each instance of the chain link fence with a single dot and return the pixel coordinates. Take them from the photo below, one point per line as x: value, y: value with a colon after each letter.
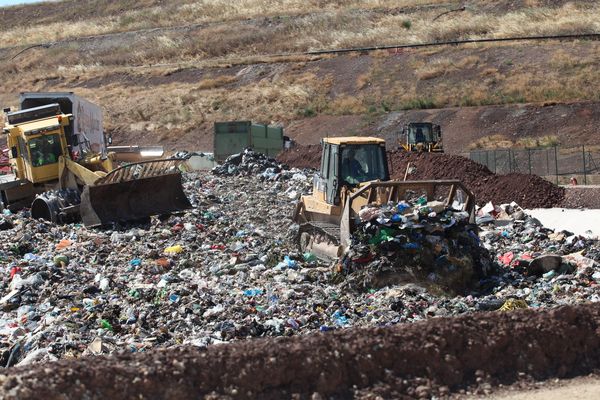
x: 558, y: 164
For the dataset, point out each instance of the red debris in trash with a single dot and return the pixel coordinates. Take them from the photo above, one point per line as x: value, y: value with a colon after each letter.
x: 177, y: 227
x: 14, y: 271
x: 364, y: 259
x: 164, y: 262
x: 506, y: 258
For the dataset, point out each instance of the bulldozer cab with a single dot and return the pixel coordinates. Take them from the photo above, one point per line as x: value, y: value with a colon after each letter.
x: 422, y: 132
x: 348, y: 162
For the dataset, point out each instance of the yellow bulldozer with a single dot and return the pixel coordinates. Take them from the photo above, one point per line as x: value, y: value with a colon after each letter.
x: 62, y: 185
x: 354, y: 173
x: 423, y: 137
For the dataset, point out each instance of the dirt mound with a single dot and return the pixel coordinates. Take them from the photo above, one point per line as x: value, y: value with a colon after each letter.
x: 529, y: 191
x: 302, y: 156
x: 419, y: 360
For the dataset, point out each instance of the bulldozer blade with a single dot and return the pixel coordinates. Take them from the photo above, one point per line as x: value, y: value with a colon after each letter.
x: 132, y: 199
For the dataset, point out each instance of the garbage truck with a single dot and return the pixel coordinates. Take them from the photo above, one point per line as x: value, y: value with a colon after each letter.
x: 63, y: 171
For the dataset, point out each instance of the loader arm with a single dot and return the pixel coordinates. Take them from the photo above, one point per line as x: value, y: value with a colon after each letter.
x: 131, y: 192
x: 69, y: 172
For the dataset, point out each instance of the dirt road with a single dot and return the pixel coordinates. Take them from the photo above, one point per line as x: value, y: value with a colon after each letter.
x: 587, y: 388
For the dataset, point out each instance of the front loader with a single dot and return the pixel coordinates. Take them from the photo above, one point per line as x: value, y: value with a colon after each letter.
x: 422, y: 137
x: 62, y: 185
x: 354, y: 173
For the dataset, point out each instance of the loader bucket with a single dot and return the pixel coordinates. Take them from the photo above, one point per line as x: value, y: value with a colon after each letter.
x: 133, y: 192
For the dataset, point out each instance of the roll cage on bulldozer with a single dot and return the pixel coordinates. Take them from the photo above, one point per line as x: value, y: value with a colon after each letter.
x: 422, y: 137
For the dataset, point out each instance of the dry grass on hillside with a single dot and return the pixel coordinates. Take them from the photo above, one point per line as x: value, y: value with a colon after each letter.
x: 128, y: 74
x: 315, y: 25
x: 152, y: 14
x: 502, y: 142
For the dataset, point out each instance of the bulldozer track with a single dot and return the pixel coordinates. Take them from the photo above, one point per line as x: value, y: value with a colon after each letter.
x: 332, y: 231
x: 319, y: 233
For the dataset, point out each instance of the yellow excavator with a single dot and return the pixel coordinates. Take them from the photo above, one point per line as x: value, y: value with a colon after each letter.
x: 62, y: 185
x: 354, y: 173
x: 423, y: 137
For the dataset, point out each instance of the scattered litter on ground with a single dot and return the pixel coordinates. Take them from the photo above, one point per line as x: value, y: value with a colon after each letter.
x: 228, y: 270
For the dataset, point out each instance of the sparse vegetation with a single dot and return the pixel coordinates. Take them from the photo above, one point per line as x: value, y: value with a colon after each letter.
x: 419, y: 103
x: 492, y: 142
x: 211, y: 83
x: 346, y: 105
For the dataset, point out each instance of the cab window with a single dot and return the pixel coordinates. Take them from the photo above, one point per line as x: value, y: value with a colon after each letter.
x: 44, y: 150
x: 362, y: 163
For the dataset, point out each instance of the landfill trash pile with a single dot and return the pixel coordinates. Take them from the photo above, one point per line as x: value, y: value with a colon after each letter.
x: 228, y: 270
x: 530, y: 191
x: 195, y: 161
x: 249, y: 162
x: 421, y: 242
x: 538, y: 265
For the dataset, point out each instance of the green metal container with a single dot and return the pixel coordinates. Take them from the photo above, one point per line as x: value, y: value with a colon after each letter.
x: 233, y: 137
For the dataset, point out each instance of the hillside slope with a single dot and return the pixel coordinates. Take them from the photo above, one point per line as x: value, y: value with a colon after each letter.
x: 165, y: 71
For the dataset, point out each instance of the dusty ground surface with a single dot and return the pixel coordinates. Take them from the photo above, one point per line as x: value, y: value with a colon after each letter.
x: 582, y: 196
x: 584, y: 388
x: 418, y: 360
x: 579, y: 221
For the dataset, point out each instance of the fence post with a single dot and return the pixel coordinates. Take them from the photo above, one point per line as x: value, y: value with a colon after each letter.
x: 547, y: 163
x: 556, y: 164
x: 529, y: 159
x: 510, y: 160
x: 584, y: 171
x: 494, y: 160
